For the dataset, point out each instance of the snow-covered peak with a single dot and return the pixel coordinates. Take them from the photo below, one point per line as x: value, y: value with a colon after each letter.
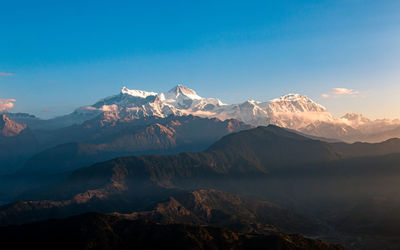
x: 137, y: 93
x: 293, y: 98
x: 290, y: 98
x: 180, y: 90
x: 295, y: 103
x: 292, y: 110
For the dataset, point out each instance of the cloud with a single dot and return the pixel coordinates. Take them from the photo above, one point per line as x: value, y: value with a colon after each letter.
x: 344, y: 91
x: 5, y: 74
x: 6, y: 104
x: 339, y: 92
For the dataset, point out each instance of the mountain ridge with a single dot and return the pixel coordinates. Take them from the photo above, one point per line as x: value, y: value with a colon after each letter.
x: 271, y: 163
x: 101, y: 231
x: 293, y: 111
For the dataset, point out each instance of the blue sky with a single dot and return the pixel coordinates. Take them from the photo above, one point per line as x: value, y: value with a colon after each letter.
x: 58, y: 55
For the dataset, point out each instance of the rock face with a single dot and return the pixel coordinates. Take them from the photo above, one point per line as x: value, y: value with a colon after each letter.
x: 98, y: 231
x: 10, y: 128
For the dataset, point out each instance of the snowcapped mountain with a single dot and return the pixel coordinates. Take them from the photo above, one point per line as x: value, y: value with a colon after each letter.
x: 292, y: 111
x: 136, y: 104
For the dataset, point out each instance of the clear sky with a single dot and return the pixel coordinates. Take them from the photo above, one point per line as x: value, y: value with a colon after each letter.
x: 58, y: 55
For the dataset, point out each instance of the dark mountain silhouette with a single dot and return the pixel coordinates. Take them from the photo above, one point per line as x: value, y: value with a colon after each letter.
x: 212, y: 207
x: 258, y: 152
x: 246, y: 153
x: 318, y: 179
x: 103, y: 138
x: 98, y: 231
x: 200, y: 207
x: 93, y: 142
x: 359, y: 149
x: 130, y: 183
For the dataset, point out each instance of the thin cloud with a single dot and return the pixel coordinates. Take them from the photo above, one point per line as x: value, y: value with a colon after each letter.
x: 5, y: 74
x: 339, y: 92
x: 344, y: 91
x: 6, y: 104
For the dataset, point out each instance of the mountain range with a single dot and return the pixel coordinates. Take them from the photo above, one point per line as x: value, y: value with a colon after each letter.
x: 59, y: 152
x: 298, y: 184
x: 84, y: 144
x: 175, y: 161
x: 254, y: 153
x: 279, y: 168
x: 293, y: 111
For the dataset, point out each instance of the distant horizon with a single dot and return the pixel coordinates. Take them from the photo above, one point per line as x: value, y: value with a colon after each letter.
x: 13, y: 110
x: 57, y: 56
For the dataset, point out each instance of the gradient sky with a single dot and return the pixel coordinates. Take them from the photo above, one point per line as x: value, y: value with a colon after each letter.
x: 58, y: 55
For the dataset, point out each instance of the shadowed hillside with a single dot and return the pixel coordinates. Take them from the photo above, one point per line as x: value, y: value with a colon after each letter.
x: 97, y: 231
x: 322, y: 181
